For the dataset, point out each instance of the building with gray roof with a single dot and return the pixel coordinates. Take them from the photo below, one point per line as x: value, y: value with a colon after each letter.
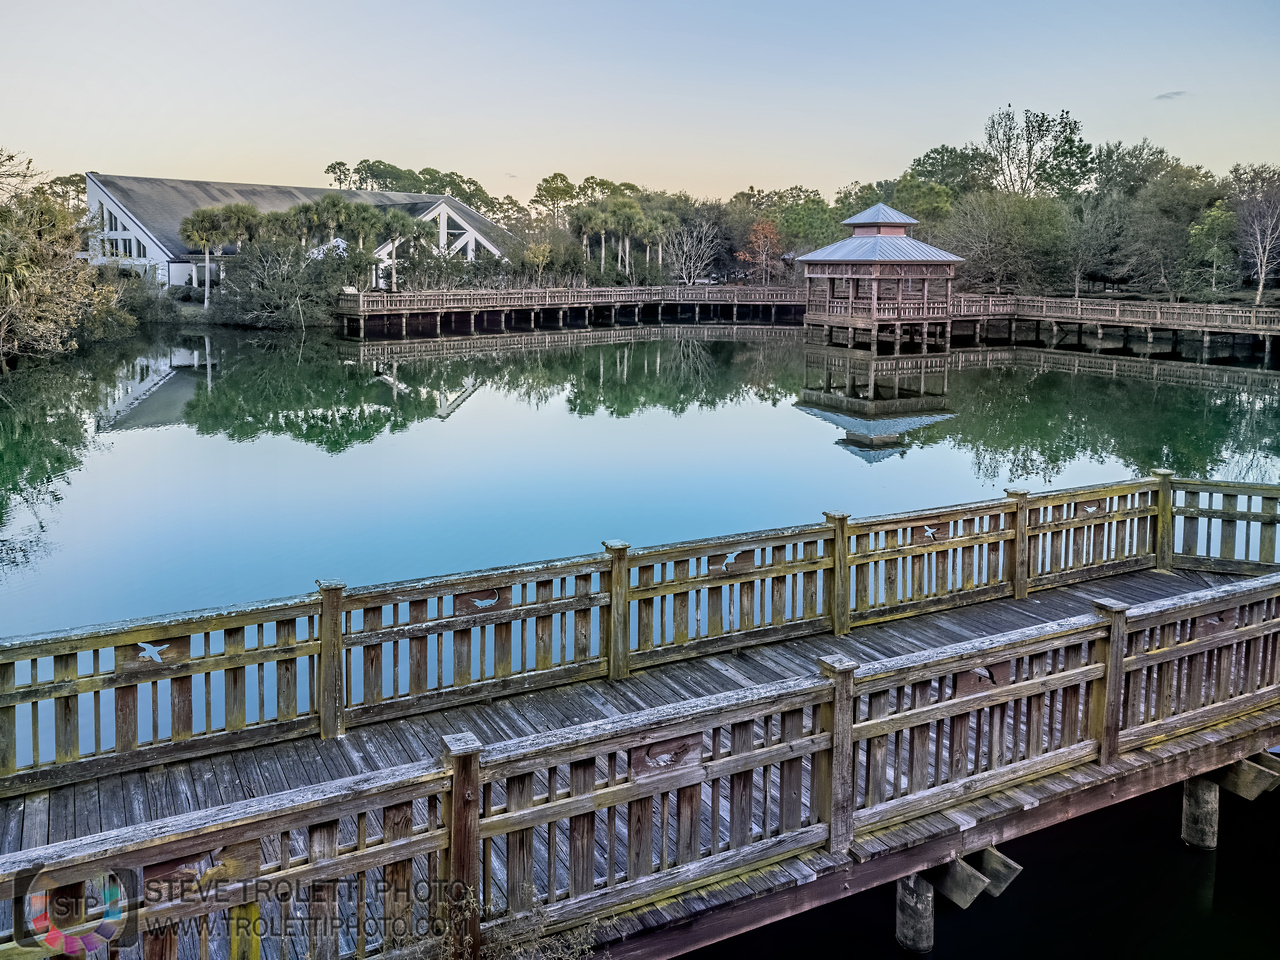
x: 142, y: 218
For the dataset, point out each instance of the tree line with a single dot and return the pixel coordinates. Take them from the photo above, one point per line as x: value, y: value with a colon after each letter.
x: 1029, y: 204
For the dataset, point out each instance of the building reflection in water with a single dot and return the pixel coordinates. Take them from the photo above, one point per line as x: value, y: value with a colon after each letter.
x: 876, y: 401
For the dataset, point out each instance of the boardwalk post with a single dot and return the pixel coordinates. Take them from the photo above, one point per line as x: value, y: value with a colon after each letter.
x: 838, y: 591
x: 1164, y: 521
x: 913, y: 915
x: 324, y: 918
x: 1020, y: 573
x: 329, y: 671
x: 833, y: 787
x: 161, y: 943
x: 1200, y: 813
x: 1105, y: 692
x: 619, y: 647
x: 8, y: 723
x: 461, y: 873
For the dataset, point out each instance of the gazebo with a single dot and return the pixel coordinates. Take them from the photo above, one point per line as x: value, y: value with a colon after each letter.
x: 880, y: 284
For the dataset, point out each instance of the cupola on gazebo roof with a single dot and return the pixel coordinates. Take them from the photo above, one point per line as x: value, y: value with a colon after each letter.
x: 881, y: 213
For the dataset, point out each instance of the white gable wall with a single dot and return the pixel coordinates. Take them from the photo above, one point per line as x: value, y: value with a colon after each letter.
x: 129, y: 243
x: 449, y: 221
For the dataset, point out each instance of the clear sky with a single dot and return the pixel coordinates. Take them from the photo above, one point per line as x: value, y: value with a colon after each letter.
x: 704, y: 96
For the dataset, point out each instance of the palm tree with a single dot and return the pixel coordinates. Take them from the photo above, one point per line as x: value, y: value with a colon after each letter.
x: 330, y: 211
x: 204, y: 229
x: 626, y: 215
x: 398, y: 225
x: 304, y: 220
x: 584, y: 220
x: 662, y: 224
x: 277, y: 225
x: 242, y: 222
x: 362, y: 220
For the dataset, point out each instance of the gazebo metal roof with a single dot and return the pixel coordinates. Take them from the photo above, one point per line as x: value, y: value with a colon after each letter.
x: 879, y: 249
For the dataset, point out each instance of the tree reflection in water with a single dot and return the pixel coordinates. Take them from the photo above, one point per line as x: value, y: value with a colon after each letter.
x: 1012, y: 423
x: 50, y: 412
x: 279, y: 385
x: 1028, y: 425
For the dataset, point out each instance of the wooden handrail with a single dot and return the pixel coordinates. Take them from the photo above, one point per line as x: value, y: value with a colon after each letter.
x: 723, y: 593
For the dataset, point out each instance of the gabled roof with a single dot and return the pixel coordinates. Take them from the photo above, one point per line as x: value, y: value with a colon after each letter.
x: 879, y: 249
x: 161, y: 204
x: 880, y: 213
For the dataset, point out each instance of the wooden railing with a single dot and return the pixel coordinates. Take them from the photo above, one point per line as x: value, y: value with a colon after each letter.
x: 355, y: 304
x: 647, y: 802
x: 686, y: 599
x: 124, y: 696
x: 112, y: 696
x: 1226, y: 526
x: 888, y: 310
x: 531, y: 836
x: 1145, y: 313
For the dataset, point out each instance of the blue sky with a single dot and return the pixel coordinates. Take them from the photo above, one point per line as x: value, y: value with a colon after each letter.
x: 708, y: 97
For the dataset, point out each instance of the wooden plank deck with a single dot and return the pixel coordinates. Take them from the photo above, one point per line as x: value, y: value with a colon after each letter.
x: 83, y: 809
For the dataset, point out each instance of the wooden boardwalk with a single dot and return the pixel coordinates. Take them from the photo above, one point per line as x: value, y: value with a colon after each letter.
x: 117, y: 800
x: 649, y: 749
x: 433, y: 323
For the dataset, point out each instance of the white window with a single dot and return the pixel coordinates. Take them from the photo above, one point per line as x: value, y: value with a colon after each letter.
x: 128, y: 247
x: 113, y: 248
x: 112, y: 222
x: 142, y: 250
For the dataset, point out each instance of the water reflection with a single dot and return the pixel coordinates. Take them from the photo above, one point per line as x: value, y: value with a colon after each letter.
x: 276, y: 385
x: 50, y: 413
x: 1028, y: 414
x: 877, y: 401
x: 239, y: 439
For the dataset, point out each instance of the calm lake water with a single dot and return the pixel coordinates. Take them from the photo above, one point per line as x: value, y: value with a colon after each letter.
x: 138, y: 479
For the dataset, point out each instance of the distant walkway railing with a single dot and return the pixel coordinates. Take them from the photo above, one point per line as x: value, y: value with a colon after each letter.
x: 961, y: 306
x: 1130, y: 313
x: 126, y: 695
x: 377, y: 302
x: 531, y: 836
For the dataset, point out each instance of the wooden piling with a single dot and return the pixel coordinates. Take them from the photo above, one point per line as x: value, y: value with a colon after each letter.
x: 1200, y: 798
x: 913, y: 914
